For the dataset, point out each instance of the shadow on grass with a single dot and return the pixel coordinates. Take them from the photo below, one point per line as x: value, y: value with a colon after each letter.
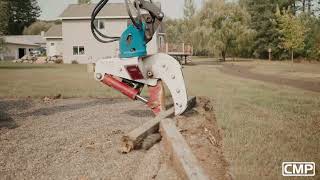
x: 66, y: 108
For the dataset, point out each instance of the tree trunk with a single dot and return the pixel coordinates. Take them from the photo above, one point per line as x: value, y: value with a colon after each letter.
x: 292, y: 56
x: 223, y: 56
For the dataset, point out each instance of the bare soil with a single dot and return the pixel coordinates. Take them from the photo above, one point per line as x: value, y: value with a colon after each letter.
x: 74, y: 139
x: 201, y: 131
x: 244, y: 72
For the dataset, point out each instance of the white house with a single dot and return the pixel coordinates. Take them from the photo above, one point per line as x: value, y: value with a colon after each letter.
x: 54, y: 40
x: 73, y: 38
x: 18, y: 46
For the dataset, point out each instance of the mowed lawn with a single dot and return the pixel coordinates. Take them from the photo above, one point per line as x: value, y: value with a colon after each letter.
x: 24, y: 80
x: 263, y: 124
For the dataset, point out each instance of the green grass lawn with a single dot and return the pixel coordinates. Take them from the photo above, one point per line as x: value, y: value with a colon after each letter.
x: 23, y: 80
x: 263, y: 124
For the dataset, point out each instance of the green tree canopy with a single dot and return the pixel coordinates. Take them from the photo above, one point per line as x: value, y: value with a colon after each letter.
x: 293, y: 31
x: 3, y: 23
x: 20, y: 14
x: 3, y: 17
x: 221, y: 29
x: 249, y: 28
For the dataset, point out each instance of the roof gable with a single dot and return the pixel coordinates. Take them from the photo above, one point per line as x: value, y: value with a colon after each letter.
x: 84, y: 11
x: 54, y: 32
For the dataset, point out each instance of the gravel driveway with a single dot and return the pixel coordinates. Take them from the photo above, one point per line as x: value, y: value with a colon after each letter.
x: 74, y: 139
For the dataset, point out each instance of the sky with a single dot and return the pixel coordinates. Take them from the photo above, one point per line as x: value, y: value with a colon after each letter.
x: 51, y: 9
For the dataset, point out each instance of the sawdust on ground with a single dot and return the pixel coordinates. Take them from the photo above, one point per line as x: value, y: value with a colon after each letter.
x: 201, y: 131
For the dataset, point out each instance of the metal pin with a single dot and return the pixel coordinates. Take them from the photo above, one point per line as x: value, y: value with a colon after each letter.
x: 99, y: 76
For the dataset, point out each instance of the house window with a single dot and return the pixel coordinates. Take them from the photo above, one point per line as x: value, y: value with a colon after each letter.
x: 99, y: 24
x: 78, y: 50
x: 52, y: 44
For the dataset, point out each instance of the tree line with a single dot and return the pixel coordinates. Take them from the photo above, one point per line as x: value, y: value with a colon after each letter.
x: 250, y: 28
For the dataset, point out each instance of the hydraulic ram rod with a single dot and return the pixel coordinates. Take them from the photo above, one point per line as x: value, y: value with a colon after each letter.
x: 123, y: 88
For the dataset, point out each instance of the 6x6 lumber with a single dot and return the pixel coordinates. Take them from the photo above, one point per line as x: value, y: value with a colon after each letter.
x: 184, y: 161
x: 133, y: 139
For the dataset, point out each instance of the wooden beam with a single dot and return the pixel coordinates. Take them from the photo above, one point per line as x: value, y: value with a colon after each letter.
x: 134, y: 139
x: 184, y: 161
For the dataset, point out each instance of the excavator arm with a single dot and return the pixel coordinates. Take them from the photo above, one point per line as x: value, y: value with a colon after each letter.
x: 134, y: 69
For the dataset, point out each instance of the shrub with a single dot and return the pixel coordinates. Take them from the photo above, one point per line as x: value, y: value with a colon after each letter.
x: 74, y: 62
x: 58, y: 61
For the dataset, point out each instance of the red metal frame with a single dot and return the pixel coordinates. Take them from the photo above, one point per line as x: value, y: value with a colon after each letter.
x: 157, y: 98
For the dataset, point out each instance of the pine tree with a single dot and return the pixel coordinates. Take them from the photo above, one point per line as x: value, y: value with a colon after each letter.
x: 22, y: 13
x: 264, y: 22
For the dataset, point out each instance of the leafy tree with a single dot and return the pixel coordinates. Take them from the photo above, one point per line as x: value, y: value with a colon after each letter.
x: 221, y: 29
x: 84, y: 1
x: 293, y: 31
x: 21, y: 13
x: 178, y: 30
x: 189, y: 9
x: 3, y: 17
x: 264, y: 22
x: 37, y: 27
x: 174, y: 30
x: 187, y: 25
x: 3, y: 23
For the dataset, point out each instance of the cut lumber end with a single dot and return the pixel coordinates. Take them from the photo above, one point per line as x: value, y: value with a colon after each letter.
x: 183, y: 160
x: 126, y: 145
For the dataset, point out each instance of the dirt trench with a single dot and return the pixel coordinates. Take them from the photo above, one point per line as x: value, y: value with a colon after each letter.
x: 201, y: 131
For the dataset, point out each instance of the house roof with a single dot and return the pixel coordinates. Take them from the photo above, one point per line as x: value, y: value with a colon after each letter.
x: 54, y: 32
x: 32, y: 40
x: 83, y: 11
